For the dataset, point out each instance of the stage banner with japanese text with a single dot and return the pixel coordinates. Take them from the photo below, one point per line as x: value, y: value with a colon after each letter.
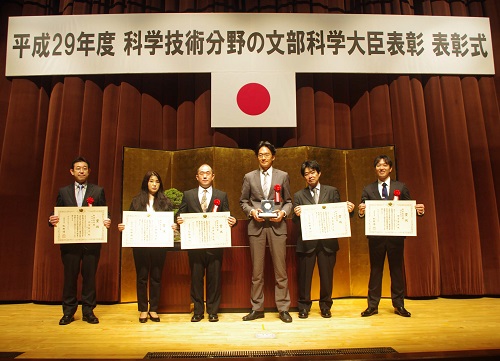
x: 242, y: 42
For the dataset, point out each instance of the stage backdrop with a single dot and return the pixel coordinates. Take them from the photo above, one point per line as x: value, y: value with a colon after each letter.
x: 445, y: 131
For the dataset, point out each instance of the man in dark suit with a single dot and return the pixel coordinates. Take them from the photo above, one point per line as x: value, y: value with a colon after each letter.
x: 197, y: 200
x: 379, y: 246
x: 323, y: 250
x: 84, y: 255
x: 267, y: 183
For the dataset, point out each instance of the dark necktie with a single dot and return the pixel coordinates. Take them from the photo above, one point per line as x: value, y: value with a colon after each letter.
x: 385, y: 195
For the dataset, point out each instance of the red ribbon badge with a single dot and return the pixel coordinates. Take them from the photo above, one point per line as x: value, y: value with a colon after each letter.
x: 90, y: 201
x: 277, y: 196
x: 397, y: 193
x: 216, y: 205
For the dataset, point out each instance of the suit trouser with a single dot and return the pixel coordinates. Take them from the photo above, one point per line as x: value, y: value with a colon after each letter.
x: 326, y: 263
x: 394, y: 248
x: 73, y: 256
x: 211, y: 261
x: 277, y: 246
x: 149, y: 262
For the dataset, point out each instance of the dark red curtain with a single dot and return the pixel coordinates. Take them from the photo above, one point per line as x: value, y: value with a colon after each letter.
x: 446, y: 130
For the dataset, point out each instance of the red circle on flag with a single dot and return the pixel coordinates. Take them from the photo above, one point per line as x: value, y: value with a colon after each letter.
x: 253, y: 99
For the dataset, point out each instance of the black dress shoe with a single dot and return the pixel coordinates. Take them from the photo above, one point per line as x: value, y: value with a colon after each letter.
x: 285, y: 316
x: 66, y: 320
x: 402, y: 311
x: 303, y: 313
x: 370, y: 311
x: 325, y: 313
x: 253, y: 315
x: 154, y: 319
x: 143, y: 319
x: 90, y: 318
x: 197, y: 318
x: 213, y: 318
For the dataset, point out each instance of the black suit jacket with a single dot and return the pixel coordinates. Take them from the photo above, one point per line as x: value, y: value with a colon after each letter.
x: 66, y: 196
x: 327, y: 194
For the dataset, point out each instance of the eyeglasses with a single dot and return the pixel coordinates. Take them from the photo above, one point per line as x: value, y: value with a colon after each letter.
x: 264, y: 155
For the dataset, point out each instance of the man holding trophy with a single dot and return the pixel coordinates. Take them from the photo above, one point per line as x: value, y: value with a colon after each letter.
x: 266, y: 200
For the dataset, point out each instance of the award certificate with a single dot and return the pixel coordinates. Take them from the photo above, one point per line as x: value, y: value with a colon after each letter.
x: 205, y: 230
x: 390, y: 218
x: 148, y: 229
x: 80, y: 225
x: 325, y: 220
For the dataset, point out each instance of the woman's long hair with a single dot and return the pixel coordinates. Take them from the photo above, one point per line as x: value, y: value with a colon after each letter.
x: 161, y: 202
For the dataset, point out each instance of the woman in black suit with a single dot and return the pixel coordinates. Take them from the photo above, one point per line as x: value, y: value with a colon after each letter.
x: 149, y: 261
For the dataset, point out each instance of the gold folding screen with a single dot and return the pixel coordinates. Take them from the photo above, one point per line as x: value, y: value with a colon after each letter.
x: 348, y: 170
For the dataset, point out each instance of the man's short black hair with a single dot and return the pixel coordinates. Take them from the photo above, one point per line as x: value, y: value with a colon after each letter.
x: 265, y: 143
x: 383, y: 157
x: 79, y: 159
x: 311, y: 164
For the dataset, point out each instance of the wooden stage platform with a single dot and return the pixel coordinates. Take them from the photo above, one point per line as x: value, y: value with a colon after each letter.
x: 444, y: 329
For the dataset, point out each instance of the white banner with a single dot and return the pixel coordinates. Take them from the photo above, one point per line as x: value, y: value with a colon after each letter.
x: 253, y: 99
x: 219, y: 42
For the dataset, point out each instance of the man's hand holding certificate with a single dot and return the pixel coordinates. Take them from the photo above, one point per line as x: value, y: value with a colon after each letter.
x: 324, y: 221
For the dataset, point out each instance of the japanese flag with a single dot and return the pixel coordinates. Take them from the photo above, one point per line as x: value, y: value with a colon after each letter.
x: 253, y: 99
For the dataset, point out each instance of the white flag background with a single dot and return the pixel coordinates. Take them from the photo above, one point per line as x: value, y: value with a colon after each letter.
x: 253, y: 99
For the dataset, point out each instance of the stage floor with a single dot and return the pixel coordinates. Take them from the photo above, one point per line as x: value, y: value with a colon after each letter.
x: 436, y: 326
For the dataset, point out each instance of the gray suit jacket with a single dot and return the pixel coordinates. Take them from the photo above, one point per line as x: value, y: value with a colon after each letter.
x: 327, y: 194
x: 252, y: 194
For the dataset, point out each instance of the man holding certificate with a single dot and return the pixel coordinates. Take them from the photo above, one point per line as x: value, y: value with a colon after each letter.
x: 381, y: 245
x: 266, y: 200
x: 85, y: 255
x: 323, y: 250
x: 202, y: 199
